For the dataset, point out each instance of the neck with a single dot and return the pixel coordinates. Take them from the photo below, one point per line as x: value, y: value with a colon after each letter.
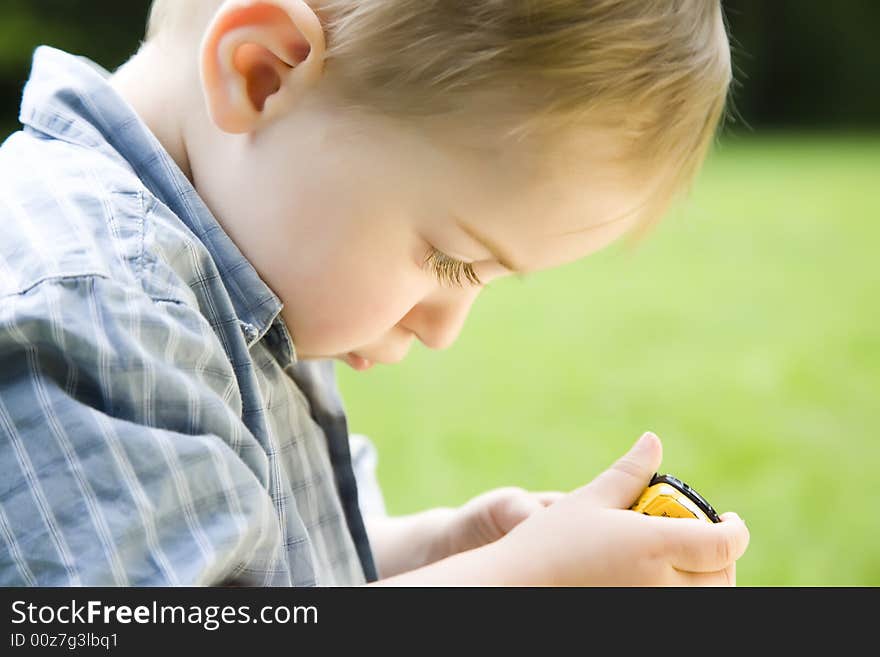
x: 160, y: 91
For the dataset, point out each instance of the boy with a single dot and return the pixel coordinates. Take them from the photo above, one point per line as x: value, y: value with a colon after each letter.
x: 268, y: 186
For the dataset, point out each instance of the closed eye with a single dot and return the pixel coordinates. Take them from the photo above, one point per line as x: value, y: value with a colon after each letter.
x: 450, y: 271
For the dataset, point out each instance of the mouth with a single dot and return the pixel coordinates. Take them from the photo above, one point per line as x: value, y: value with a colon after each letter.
x: 356, y: 362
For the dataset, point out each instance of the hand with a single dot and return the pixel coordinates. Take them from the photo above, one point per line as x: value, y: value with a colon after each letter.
x: 491, y: 515
x: 590, y: 537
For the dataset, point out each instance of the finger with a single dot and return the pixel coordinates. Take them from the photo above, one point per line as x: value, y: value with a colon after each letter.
x: 699, y: 547
x: 621, y: 484
x: 515, y: 509
x: 725, y: 577
x: 548, y: 497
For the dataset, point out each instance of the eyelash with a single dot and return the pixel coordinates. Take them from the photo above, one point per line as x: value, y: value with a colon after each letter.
x: 449, y: 270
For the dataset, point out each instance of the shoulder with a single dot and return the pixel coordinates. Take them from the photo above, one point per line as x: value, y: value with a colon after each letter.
x: 70, y: 211
x: 109, y: 335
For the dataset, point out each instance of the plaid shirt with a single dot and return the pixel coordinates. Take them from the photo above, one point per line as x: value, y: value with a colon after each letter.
x: 156, y: 427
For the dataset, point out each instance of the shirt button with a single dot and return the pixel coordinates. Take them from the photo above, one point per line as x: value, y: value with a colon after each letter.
x: 250, y: 332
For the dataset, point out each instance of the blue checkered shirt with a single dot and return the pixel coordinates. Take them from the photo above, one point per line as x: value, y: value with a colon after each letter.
x: 156, y: 427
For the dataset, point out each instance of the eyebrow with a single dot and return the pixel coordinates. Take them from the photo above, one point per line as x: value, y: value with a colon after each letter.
x: 497, y: 253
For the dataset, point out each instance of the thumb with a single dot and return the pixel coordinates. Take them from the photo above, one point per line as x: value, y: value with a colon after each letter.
x: 621, y: 484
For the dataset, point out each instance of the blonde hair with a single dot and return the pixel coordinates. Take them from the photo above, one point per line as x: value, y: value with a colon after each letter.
x: 656, y: 71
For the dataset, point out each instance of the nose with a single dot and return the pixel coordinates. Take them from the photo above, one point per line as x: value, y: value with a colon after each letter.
x: 438, y: 319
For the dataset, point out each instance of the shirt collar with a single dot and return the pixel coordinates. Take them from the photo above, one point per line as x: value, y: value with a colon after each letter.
x: 69, y: 98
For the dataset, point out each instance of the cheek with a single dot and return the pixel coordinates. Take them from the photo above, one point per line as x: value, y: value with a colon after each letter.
x: 350, y: 303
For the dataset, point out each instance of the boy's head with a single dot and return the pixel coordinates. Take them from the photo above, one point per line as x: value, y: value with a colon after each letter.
x: 379, y: 160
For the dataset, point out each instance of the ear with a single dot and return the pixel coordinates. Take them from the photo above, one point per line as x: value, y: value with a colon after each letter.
x: 257, y: 58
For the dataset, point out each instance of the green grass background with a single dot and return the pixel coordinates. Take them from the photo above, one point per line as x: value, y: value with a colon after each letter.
x: 744, y: 332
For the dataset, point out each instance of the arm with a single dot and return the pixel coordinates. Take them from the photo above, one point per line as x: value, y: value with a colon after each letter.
x: 489, y: 565
x: 404, y: 543
x: 398, y: 543
x: 116, y: 445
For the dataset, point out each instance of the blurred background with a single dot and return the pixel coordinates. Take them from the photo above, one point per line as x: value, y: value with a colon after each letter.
x: 744, y: 331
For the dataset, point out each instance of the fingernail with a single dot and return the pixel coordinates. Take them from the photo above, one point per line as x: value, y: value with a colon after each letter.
x: 645, y: 441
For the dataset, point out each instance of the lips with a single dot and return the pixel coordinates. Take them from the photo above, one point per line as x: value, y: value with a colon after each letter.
x: 356, y: 362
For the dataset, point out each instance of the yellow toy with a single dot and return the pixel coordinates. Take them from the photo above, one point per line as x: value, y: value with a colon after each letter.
x: 672, y: 498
